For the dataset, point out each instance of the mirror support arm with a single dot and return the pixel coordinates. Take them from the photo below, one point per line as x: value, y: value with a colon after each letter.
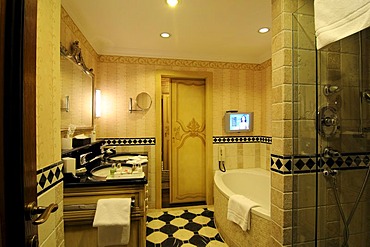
x: 130, y: 107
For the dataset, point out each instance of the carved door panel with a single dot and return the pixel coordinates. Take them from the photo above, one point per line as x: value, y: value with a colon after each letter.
x: 188, y: 141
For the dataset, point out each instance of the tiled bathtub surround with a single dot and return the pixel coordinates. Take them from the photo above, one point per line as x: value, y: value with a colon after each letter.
x: 257, y: 236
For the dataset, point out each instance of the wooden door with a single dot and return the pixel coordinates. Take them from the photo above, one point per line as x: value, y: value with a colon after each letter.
x: 18, y: 120
x: 187, y: 167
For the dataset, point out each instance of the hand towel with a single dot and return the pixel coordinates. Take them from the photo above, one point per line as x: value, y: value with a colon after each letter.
x: 112, y: 217
x: 238, y: 211
x: 337, y: 19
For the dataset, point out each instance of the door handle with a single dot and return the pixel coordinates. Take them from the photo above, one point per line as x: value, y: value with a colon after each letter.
x: 32, y: 210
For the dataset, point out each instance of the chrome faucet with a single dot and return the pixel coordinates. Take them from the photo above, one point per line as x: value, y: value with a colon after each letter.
x: 83, y: 160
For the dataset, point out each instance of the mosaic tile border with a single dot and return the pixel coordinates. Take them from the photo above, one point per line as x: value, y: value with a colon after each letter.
x: 128, y: 141
x: 49, y: 176
x: 307, y: 163
x: 242, y: 139
x: 216, y: 140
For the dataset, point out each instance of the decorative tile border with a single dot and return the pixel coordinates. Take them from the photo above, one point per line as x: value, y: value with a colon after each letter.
x: 49, y: 176
x: 216, y: 140
x: 128, y: 141
x: 307, y: 163
x: 347, y: 161
x: 281, y: 164
x: 241, y: 139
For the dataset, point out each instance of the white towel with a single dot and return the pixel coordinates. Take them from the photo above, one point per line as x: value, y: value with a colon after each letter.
x: 112, y: 217
x: 238, y: 211
x: 337, y: 19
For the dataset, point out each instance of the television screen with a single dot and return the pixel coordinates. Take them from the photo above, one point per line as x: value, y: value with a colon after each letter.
x: 238, y: 121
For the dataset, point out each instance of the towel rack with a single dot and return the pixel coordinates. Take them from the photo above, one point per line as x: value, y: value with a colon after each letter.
x: 91, y: 206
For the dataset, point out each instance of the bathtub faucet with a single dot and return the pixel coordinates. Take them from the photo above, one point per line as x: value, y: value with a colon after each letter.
x: 221, y: 166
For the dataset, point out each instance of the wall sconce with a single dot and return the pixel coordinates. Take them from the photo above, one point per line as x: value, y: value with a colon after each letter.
x: 97, y: 103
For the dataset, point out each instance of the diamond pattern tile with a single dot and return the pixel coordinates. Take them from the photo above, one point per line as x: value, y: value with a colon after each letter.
x: 182, y: 227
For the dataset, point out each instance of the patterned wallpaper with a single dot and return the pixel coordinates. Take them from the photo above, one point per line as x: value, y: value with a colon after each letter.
x: 245, y: 87
x: 48, y: 83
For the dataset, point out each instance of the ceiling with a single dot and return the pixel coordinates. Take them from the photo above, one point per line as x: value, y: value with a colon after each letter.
x: 212, y: 30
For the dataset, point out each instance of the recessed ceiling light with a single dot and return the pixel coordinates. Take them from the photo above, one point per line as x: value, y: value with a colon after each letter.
x: 264, y: 30
x: 172, y: 3
x: 165, y: 35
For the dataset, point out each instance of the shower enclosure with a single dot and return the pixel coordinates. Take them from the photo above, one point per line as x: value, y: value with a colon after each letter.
x: 331, y: 137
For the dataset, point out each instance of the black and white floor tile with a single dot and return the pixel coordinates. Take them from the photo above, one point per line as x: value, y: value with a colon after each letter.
x: 192, y: 227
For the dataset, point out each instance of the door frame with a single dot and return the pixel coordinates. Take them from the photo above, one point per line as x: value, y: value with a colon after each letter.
x: 173, y: 74
x: 18, y: 119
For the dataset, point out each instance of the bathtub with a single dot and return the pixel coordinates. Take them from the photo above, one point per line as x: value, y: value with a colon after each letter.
x: 253, y: 183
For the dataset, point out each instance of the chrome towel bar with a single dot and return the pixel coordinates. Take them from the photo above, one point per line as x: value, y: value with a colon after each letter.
x: 91, y: 206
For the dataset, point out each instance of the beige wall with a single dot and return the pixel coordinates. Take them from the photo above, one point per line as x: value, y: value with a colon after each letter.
x: 48, y: 115
x: 47, y: 83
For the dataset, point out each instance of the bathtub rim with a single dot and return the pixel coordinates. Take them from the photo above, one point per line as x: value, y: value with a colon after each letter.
x: 260, y: 211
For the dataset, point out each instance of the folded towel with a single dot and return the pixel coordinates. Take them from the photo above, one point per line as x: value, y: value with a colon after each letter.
x: 238, y: 210
x: 337, y: 19
x: 112, y: 217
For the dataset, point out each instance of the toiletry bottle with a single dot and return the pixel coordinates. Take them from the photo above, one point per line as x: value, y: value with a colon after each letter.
x: 119, y: 167
x: 113, y: 169
x: 93, y: 136
x: 139, y: 169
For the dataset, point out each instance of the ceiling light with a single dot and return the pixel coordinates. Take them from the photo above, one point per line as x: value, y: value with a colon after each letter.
x: 172, y: 3
x: 165, y: 35
x: 264, y: 30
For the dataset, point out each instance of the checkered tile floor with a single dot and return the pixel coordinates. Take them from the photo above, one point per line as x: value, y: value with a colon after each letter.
x: 193, y: 227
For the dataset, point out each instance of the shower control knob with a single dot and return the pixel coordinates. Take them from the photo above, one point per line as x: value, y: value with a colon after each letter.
x: 330, y: 153
x: 330, y: 89
x: 328, y: 121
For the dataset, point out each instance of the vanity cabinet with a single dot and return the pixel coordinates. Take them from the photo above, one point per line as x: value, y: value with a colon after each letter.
x: 79, y: 211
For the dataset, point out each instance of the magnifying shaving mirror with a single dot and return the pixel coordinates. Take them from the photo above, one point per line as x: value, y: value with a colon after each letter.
x: 143, y: 102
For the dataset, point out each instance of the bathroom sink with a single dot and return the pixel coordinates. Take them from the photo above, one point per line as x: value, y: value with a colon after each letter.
x: 128, y: 158
x: 103, y: 173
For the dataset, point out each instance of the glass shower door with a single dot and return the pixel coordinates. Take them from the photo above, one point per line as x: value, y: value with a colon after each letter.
x: 344, y: 134
x: 331, y: 137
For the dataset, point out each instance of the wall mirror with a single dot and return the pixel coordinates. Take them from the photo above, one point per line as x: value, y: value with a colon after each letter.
x: 77, y: 82
x: 143, y: 101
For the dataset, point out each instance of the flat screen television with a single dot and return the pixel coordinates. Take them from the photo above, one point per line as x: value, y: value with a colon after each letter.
x: 238, y: 122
